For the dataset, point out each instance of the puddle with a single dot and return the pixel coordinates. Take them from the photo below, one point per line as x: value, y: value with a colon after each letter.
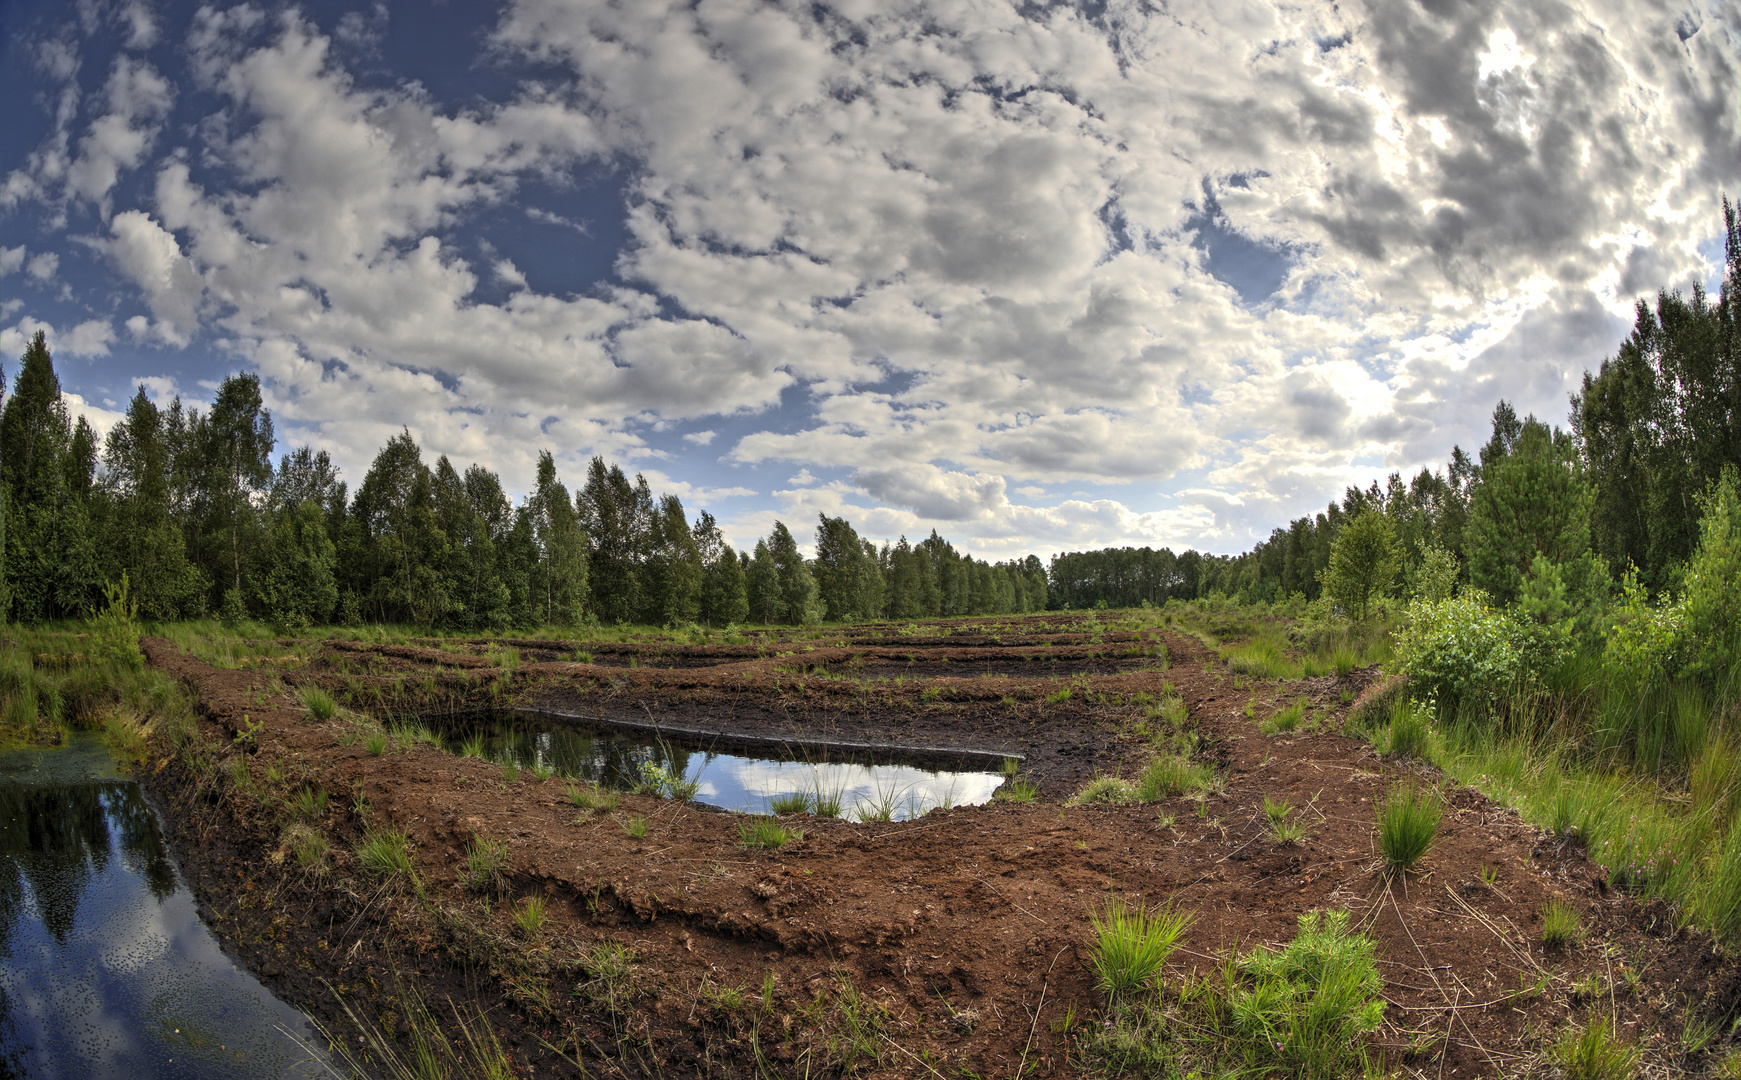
x: 105, y: 967
x: 864, y: 783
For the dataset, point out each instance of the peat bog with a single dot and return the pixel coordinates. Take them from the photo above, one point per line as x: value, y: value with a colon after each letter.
x: 359, y: 863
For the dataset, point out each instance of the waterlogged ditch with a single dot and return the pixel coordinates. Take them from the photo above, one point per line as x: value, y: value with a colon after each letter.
x: 857, y: 782
x: 105, y: 967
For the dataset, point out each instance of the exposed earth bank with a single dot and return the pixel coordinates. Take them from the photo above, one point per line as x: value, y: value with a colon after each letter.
x: 955, y: 944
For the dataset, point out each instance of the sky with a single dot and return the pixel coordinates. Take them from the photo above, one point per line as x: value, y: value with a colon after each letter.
x: 1041, y: 277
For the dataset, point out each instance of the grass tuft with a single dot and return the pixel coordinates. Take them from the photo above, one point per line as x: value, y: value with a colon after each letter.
x: 1594, y: 1054
x: 385, y: 855
x: 1408, y: 823
x: 529, y: 916
x: 1132, y: 943
x: 1169, y: 775
x: 486, y: 865
x: 1106, y: 791
x: 1561, y: 925
x: 318, y: 702
x: 766, y: 833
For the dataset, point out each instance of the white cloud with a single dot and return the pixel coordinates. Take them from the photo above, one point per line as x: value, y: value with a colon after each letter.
x: 89, y: 338
x: 43, y: 265
x: 11, y: 259
x: 966, y: 251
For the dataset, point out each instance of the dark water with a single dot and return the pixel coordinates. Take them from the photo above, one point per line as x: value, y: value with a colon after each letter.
x: 105, y: 967
x: 620, y: 761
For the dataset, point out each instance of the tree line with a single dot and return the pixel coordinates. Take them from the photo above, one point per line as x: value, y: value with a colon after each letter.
x: 190, y: 508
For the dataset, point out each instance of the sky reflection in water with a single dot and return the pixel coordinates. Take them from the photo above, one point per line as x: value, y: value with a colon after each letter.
x: 617, y: 761
x: 105, y: 967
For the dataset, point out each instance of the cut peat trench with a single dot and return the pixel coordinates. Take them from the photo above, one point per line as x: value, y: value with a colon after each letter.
x: 969, y: 912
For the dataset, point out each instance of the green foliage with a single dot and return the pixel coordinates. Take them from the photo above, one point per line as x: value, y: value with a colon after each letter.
x: 1164, y: 777
x: 1408, y: 735
x: 1459, y: 650
x: 1106, y: 791
x: 1435, y: 574
x: 1016, y: 789
x: 1408, y: 823
x: 1643, y: 640
x: 1364, y: 561
x: 1593, y: 1053
x: 115, y: 628
x: 385, y: 855
x: 1561, y: 925
x: 1533, y: 502
x: 529, y: 916
x: 766, y: 833
x: 1301, y: 1008
x: 1712, y: 608
x: 1133, y: 943
x: 595, y: 798
x: 317, y: 701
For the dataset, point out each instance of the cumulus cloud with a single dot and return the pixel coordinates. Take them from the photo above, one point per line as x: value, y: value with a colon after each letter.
x: 1221, y: 256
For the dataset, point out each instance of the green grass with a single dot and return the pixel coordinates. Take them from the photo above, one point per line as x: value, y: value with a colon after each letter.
x: 1593, y: 1053
x: 1561, y: 925
x: 376, y: 743
x: 311, y: 851
x: 529, y: 916
x: 1409, y: 734
x: 1285, y: 720
x: 1016, y: 790
x: 609, y: 975
x: 635, y: 827
x: 594, y: 798
x: 794, y: 802
x: 486, y: 865
x: 1106, y: 791
x: 472, y: 747
x: 309, y: 803
x: 318, y: 702
x: 1167, y: 776
x: 510, y: 772
x: 1132, y: 943
x: 765, y: 833
x: 385, y: 855
x: 1408, y: 823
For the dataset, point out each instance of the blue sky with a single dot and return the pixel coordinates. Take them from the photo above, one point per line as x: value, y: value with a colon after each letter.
x: 1039, y: 277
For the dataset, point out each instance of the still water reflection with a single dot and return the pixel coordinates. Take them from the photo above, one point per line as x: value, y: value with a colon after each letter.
x: 620, y: 760
x: 105, y: 968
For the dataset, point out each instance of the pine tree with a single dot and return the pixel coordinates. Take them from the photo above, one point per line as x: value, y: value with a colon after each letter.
x: 1533, y: 501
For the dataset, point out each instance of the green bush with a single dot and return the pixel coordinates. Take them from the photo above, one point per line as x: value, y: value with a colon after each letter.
x: 1459, y: 650
x: 1712, y: 607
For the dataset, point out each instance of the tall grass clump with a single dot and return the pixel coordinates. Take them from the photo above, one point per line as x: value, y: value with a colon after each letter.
x: 1132, y: 943
x: 1408, y: 731
x: 1593, y: 1053
x: 1408, y: 823
x: 765, y: 833
x: 1167, y: 776
x: 385, y: 855
x: 1106, y: 791
x: 318, y: 702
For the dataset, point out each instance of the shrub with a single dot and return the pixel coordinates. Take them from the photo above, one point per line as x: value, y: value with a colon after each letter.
x: 1132, y: 943
x: 1713, y: 583
x: 1459, y: 650
x: 1408, y: 823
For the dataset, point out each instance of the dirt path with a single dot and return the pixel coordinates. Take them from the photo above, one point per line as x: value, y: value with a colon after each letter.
x: 955, y: 942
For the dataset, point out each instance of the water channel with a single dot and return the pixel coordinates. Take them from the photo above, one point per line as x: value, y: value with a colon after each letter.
x: 749, y: 778
x: 105, y: 967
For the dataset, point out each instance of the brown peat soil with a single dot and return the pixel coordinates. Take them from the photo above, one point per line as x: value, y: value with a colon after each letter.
x: 954, y: 945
